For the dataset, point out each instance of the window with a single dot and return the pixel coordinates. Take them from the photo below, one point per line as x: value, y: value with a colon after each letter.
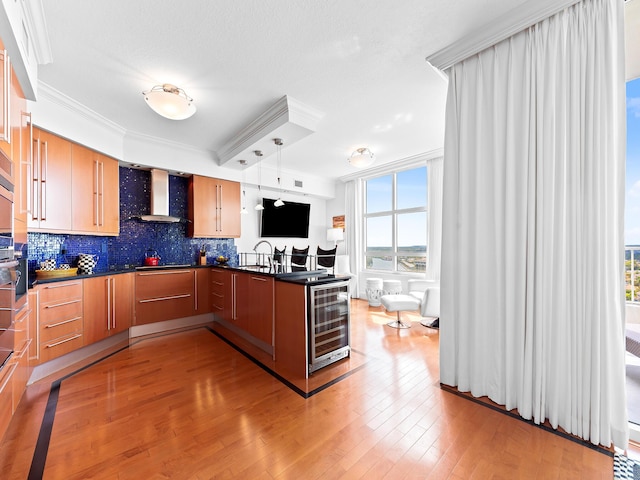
x: 395, y: 221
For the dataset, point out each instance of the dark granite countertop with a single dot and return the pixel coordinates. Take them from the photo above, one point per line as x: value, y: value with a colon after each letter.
x: 290, y: 274
x: 37, y: 281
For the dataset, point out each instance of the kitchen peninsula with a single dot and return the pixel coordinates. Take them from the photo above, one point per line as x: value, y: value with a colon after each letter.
x: 292, y: 321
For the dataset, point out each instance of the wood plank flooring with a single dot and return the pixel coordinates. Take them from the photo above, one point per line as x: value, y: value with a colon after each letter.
x: 189, y: 406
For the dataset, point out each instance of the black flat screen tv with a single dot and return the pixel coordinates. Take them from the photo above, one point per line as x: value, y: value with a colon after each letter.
x: 289, y: 220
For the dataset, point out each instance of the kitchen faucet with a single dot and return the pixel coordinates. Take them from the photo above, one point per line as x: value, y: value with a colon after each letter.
x: 270, y: 257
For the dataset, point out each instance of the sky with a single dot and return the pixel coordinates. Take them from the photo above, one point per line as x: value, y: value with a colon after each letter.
x: 632, y: 200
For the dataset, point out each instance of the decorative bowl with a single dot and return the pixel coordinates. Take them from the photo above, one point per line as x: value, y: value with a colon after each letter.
x: 222, y: 260
x: 60, y: 272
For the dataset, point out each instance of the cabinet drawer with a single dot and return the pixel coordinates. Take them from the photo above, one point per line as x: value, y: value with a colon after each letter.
x: 21, y: 329
x: 163, y: 284
x: 60, y: 346
x: 159, y: 310
x: 217, y: 300
x: 58, y: 291
x: 61, y: 328
x: 59, y: 311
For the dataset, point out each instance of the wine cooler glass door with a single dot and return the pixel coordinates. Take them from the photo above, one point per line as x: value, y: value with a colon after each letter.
x: 329, y: 329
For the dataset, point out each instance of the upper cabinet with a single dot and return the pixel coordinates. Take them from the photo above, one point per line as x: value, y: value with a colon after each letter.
x: 50, y: 196
x: 22, y: 152
x: 96, y: 197
x: 214, y: 208
x: 5, y: 104
x: 73, y: 189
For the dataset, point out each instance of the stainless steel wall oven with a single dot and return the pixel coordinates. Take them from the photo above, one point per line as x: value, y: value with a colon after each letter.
x: 8, y: 272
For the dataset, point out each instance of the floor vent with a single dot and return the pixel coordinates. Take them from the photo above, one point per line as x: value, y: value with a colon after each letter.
x: 297, y: 183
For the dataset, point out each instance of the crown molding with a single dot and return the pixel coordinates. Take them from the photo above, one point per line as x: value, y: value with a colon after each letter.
x: 401, y: 164
x: 287, y: 119
x: 37, y: 26
x: 46, y: 92
x: 144, y: 138
x: 514, y: 21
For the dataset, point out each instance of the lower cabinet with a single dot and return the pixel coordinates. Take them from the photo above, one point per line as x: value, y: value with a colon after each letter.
x: 6, y: 396
x: 60, y: 319
x: 107, y: 306
x: 163, y: 295
x: 245, y: 302
x: 220, y: 293
x: 202, y: 288
x: 21, y: 355
x: 259, y: 311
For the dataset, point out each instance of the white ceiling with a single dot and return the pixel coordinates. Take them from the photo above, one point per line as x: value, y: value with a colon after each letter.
x: 361, y: 63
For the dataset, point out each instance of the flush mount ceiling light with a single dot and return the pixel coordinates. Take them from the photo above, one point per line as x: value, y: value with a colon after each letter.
x: 259, y: 204
x: 170, y: 102
x: 278, y: 142
x: 361, y: 158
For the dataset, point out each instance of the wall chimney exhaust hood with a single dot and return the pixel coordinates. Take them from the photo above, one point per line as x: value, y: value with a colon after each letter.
x: 159, y: 198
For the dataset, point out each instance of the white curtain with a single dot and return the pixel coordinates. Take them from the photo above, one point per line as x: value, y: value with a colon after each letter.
x: 354, y: 212
x: 434, y: 204
x: 532, y: 284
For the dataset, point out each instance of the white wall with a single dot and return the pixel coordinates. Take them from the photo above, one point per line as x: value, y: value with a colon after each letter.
x: 251, y: 224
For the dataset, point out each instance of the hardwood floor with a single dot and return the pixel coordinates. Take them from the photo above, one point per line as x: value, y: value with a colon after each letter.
x: 187, y: 405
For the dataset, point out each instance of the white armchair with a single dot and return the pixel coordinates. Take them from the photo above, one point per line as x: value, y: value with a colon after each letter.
x: 429, y: 296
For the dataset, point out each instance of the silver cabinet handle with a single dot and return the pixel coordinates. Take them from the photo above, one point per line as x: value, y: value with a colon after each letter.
x: 62, y: 304
x: 172, y: 272
x: 53, y: 325
x: 159, y: 299
x: 51, y: 345
x: 62, y: 285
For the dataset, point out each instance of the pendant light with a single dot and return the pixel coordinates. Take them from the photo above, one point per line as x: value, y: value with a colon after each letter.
x: 278, y: 142
x: 259, y: 204
x: 244, y: 210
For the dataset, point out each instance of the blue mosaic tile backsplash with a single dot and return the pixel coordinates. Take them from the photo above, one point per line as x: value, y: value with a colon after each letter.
x: 128, y: 249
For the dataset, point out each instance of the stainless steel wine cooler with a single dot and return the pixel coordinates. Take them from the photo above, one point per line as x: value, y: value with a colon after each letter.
x: 329, y: 324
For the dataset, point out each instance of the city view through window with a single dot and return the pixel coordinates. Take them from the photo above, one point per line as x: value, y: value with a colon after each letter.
x: 396, y: 221
x: 632, y: 200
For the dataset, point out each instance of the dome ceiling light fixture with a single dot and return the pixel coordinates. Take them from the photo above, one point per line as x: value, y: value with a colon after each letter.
x: 170, y: 101
x: 362, y: 158
x: 279, y: 142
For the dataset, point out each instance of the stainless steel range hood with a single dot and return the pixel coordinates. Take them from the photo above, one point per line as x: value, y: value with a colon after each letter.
x: 159, y: 198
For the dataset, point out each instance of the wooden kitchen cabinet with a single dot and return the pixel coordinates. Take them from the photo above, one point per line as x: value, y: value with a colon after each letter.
x: 50, y: 183
x: 96, y: 192
x: 163, y: 295
x: 221, y: 293
x: 60, y: 319
x: 5, y: 103
x: 107, y: 306
x: 244, y: 302
x: 21, y: 355
x: 202, y: 288
x: 259, y: 301
x: 213, y: 208
x: 22, y: 151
